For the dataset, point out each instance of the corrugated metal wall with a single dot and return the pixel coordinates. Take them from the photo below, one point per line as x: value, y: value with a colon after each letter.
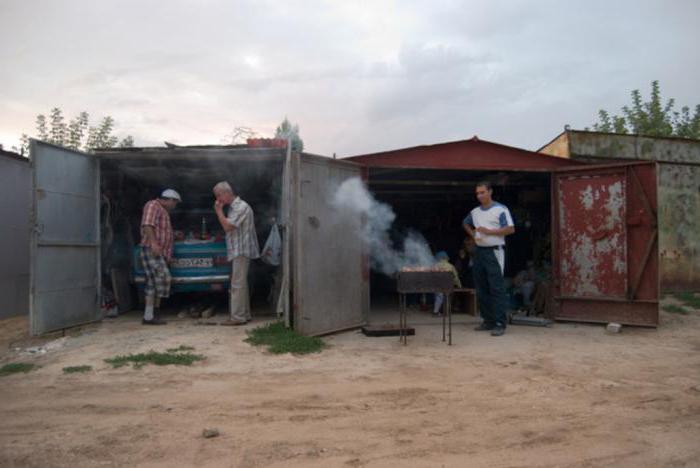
x: 15, y: 196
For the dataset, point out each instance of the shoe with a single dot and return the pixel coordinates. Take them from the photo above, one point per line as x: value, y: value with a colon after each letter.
x: 484, y: 327
x: 154, y: 321
x: 498, y: 331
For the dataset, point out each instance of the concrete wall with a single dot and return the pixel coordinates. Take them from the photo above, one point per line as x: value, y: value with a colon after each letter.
x: 15, y: 197
x: 557, y: 147
x: 679, y: 227
x: 633, y: 147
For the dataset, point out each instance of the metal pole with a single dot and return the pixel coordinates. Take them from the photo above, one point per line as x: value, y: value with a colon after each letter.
x: 402, y: 318
x: 448, y: 301
x: 405, y: 321
x: 443, y: 320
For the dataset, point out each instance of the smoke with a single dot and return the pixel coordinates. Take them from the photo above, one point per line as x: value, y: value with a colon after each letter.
x: 353, y: 198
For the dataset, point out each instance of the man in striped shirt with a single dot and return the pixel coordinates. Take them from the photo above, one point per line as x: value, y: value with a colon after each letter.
x: 241, y: 246
x: 157, y: 251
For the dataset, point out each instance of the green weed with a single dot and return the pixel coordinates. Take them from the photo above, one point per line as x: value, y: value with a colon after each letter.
x: 674, y: 309
x: 76, y: 369
x: 16, y: 368
x: 154, y: 357
x: 689, y: 299
x: 280, y: 340
x: 180, y: 348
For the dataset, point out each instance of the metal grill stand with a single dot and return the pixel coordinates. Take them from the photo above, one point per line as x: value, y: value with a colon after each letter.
x: 425, y: 281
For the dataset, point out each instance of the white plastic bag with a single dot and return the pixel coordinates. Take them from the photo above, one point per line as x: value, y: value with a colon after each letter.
x: 272, y: 250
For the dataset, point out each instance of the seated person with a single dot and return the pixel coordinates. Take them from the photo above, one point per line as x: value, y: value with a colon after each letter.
x: 524, y: 284
x: 443, y: 263
x: 463, y: 265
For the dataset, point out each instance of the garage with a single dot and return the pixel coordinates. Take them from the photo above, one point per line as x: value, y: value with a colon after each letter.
x: 598, y: 262
x: 87, y: 210
x: 601, y: 222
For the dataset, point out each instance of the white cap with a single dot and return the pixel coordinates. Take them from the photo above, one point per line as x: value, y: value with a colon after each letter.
x: 170, y: 193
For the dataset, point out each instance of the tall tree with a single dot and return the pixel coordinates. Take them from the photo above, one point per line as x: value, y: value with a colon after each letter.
x: 77, y: 134
x: 287, y: 130
x: 76, y: 130
x: 652, y: 118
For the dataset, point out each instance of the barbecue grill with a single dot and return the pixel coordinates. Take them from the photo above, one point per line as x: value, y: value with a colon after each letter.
x: 424, y: 280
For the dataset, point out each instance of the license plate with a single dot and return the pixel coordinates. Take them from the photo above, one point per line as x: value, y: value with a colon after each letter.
x: 193, y: 263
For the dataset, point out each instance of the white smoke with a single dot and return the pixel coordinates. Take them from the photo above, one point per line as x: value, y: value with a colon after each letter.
x: 353, y: 197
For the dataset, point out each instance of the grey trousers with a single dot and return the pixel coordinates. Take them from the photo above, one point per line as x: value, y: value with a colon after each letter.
x: 239, y: 304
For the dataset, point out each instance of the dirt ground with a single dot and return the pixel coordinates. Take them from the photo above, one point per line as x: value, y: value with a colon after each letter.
x: 566, y: 396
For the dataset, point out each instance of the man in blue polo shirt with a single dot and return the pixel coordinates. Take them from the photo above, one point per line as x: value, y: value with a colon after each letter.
x: 489, y: 224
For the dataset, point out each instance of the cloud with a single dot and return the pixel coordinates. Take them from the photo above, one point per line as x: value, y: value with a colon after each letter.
x: 356, y: 77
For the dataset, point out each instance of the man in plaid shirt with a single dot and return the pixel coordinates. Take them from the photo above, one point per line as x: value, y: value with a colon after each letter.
x: 157, y: 251
x: 241, y: 246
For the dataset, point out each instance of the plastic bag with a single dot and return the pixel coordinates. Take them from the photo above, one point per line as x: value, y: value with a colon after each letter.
x: 272, y: 250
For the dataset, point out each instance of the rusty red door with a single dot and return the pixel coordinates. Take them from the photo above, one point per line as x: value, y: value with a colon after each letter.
x: 605, y: 244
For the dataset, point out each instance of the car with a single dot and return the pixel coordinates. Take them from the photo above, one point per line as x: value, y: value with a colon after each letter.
x: 196, y: 266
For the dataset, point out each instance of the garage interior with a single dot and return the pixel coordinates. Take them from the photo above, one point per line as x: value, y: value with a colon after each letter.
x: 434, y: 203
x: 131, y: 177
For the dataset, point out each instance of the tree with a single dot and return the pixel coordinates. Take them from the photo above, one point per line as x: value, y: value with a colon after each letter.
x: 652, y: 118
x: 76, y: 134
x: 287, y: 130
x: 685, y: 125
x: 239, y: 135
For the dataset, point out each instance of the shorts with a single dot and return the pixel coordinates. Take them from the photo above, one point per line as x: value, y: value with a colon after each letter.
x: 158, y: 277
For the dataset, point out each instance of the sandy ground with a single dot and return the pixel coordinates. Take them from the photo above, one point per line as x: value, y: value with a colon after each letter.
x: 570, y: 396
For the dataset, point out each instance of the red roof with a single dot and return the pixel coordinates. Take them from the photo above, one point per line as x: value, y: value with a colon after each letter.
x: 472, y: 154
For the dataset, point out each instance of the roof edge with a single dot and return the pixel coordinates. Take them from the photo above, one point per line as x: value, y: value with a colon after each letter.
x: 13, y: 155
x: 474, y: 139
x: 636, y: 135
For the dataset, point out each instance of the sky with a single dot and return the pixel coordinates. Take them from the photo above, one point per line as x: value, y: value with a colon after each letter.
x: 357, y: 77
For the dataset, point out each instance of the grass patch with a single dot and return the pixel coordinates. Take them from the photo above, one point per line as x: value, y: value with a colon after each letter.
x: 689, y: 299
x: 76, y: 369
x: 674, y: 309
x: 16, y: 368
x: 180, y: 348
x: 154, y: 357
x: 280, y: 340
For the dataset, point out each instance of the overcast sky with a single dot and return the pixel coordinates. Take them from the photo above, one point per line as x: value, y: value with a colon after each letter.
x: 356, y: 76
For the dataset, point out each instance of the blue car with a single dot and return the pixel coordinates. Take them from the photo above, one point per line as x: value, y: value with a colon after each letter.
x: 196, y: 266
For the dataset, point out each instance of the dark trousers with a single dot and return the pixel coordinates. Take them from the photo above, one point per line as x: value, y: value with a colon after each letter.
x: 490, y: 288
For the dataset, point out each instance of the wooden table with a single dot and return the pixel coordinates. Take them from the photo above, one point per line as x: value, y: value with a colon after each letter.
x: 470, y: 300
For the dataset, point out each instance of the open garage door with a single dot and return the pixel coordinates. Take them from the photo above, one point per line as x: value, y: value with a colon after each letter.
x: 605, y: 244
x: 330, y: 280
x: 65, y: 248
